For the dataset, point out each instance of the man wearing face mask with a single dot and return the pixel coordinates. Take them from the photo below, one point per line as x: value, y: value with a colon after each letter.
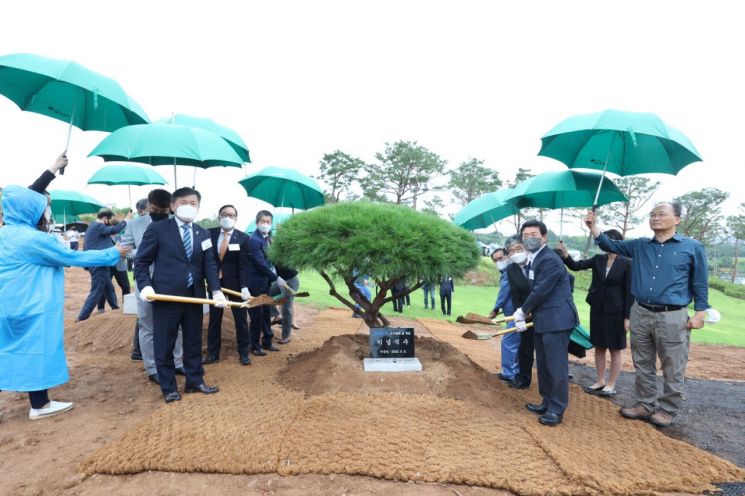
x: 183, y: 257
x: 554, y: 318
x: 261, y: 275
x: 98, y: 237
x: 230, y: 248
x: 510, y: 342
x: 159, y: 206
x: 519, y: 284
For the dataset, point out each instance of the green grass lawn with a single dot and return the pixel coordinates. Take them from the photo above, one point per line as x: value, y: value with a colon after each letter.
x: 480, y: 299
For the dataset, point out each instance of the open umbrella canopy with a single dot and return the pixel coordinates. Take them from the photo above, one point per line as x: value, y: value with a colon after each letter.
x: 628, y: 142
x: 73, y: 203
x: 67, y: 91
x: 126, y: 174
x: 233, y: 138
x: 485, y: 210
x: 563, y: 189
x: 167, y: 144
x: 283, y: 188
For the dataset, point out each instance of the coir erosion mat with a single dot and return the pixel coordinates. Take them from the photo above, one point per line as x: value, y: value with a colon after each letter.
x: 317, y: 412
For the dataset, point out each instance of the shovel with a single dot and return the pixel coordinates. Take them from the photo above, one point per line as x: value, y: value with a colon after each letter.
x: 279, y: 301
x: 489, y: 335
x: 474, y: 318
x: 257, y: 301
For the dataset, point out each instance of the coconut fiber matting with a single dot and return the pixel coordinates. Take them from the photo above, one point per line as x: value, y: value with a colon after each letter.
x: 317, y: 412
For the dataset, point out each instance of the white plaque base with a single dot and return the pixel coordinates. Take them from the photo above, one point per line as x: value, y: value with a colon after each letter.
x: 393, y: 365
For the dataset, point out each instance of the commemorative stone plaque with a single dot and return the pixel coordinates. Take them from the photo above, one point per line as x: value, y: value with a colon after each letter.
x: 392, y: 350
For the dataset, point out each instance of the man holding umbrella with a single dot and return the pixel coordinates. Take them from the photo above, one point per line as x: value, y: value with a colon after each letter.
x: 668, y: 271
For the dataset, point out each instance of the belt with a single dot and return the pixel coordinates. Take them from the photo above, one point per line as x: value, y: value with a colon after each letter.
x: 659, y: 308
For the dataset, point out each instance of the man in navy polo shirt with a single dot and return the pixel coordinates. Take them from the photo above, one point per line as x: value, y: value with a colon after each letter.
x: 668, y: 271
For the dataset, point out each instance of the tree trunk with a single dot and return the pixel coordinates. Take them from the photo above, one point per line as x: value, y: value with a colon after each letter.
x: 737, y: 255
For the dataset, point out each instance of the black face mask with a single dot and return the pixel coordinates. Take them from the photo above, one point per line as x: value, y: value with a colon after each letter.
x: 158, y: 216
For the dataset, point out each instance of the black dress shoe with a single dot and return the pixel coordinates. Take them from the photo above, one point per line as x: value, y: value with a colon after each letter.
x: 210, y: 359
x: 180, y: 371
x: 518, y: 384
x: 550, y: 419
x: 154, y: 378
x: 135, y: 357
x: 504, y: 378
x: 258, y: 352
x: 201, y: 388
x: 172, y: 396
x: 538, y: 408
x: 245, y: 360
x: 271, y: 347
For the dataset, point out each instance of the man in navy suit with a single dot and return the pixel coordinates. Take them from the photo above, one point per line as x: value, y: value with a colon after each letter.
x: 230, y: 248
x: 261, y: 275
x: 183, y: 257
x: 554, y: 318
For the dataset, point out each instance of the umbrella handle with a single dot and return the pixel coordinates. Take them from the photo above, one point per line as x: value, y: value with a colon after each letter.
x: 69, y: 132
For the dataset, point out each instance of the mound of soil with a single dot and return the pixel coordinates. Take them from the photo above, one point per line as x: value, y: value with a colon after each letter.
x: 337, y: 367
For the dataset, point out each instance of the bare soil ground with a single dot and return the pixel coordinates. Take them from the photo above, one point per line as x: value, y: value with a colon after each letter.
x: 112, y: 395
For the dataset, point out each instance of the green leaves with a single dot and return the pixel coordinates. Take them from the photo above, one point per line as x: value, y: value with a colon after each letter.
x: 384, y: 241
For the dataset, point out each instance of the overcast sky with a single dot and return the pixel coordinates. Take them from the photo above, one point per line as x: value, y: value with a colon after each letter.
x: 465, y: 79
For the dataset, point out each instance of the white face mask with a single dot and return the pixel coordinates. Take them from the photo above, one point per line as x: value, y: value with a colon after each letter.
x: 227, y: 223
x: 48, y: 214
x: 518, y: 257
x: 187, y: 213
x: 502, y: 264
x: 265, y: 228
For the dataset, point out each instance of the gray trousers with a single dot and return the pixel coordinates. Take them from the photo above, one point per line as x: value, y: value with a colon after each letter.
x: 145, y: 316
x: 288, y: 308
x: 663, y: 334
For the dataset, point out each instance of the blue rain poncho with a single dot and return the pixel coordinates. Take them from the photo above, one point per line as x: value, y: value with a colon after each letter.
x: 32, y: 356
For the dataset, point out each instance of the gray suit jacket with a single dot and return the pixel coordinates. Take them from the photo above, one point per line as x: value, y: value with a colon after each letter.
x: 133, y: 235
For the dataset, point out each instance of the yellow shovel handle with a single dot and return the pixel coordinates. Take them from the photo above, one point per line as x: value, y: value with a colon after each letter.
x: 186, y: 299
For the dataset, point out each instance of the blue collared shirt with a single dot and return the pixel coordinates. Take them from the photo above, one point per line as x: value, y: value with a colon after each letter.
x: 504, y: 298
x: 669, y: 273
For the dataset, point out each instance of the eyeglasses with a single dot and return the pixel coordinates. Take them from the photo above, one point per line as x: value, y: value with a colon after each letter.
x: 232, y: 216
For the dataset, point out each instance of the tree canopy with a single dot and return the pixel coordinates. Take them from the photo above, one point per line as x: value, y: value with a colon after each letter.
x: 387, y: 243
x: 471, y: 180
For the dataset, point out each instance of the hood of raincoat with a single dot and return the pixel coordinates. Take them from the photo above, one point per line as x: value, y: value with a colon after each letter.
x: 22, y: 206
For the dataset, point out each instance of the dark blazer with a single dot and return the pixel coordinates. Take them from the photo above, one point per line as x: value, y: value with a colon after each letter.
x: 447, y: 286
x: 162, y: 245
x: 607, y: 294
x: 550, y: 299
x: 234, y: 266
x: 519, y: 284
x: 260, y: 273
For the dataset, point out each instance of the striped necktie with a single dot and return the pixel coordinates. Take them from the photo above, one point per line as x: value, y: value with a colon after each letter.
x: 188, y: 246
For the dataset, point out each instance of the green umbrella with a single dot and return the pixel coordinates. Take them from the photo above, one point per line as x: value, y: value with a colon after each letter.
x: 72, y: 203
x: 167, y: 144
x: 564, y: 189
x: 67, y: 91
x: 283, y: 188
x: 486, y: 210
x: 625, y: 143
x: 233, y: 139
x: 126, y: 174
x: 277, y: 219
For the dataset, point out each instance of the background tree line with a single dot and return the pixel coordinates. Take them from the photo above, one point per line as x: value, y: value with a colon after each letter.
x: 405, y: 172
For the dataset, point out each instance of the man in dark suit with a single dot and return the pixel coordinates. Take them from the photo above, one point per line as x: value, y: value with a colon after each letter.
x: 230, y: 248
x: 447, y: 288
x: 261, y: 275
x: 183, y: 257
x: 554, y: 317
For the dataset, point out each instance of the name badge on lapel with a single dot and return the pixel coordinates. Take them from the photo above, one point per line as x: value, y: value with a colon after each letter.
x: 234, y: 247
x: 531, y: 274
x: 206, y: 244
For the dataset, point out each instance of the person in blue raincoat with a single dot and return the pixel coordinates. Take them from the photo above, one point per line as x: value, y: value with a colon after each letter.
x: 32, y: 357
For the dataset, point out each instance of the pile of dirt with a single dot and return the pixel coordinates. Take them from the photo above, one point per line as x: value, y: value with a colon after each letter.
x: 106, y: 333
x: 336, y: 367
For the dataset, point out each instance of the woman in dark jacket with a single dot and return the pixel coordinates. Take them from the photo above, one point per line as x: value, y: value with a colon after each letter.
x: 610, y: 303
